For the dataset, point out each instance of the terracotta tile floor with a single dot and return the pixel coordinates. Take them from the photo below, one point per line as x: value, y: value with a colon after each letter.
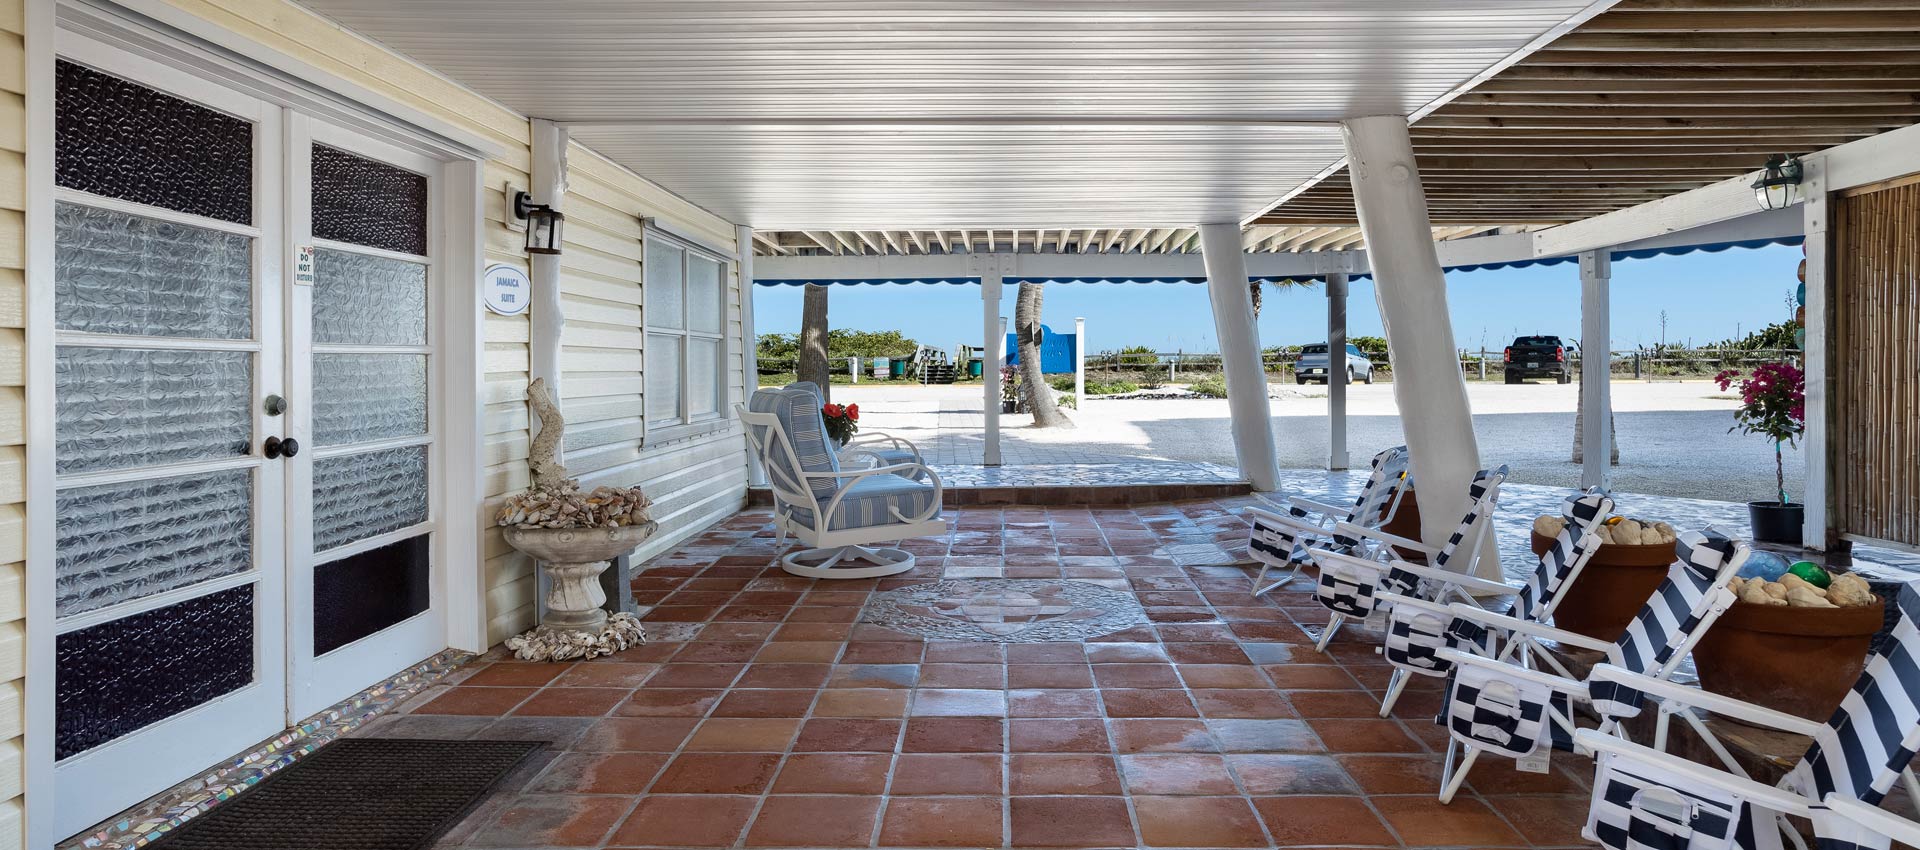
x: 762, y: 713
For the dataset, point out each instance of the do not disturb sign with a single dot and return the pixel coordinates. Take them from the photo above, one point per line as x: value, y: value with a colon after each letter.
x: 506, y: 289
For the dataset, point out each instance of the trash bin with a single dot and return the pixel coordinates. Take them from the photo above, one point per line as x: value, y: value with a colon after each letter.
x: 898, y: 368
x: 975, y: 367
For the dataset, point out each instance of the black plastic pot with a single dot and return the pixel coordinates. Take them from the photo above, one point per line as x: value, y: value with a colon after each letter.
x: 1776, y: 522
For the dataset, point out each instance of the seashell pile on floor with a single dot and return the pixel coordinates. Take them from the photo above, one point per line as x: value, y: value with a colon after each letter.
x: 1625, y: 531
x: 562, y: 505
x: 1846, y: 591
x: 544, y: 644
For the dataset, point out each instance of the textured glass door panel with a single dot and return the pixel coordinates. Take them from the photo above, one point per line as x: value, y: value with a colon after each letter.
x: 359, y: 299
x: 360, y: 398
x: 665, y: 285
x: 369, y: 203
x: 663, y: 379
x: 703, y: 376
x: 117, y: 408
x: 127, y: 141
x: 115, y: 273
x: 120, y: 542
x: 706, y: 308
x: 116, y: 677
x: 360, y: 495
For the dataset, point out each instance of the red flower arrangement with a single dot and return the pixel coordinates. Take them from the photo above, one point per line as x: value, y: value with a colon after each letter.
x: 843, y: 421
x: 1773, y: 404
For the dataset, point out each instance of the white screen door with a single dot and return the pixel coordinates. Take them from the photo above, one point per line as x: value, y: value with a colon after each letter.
x: 367, y: 596
x: 170, y: 651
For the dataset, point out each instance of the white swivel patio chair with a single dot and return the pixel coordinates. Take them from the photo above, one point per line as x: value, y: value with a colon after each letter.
x: 1283, y: 540
x: 1425, y: 620
x: 840, y: 515
x: 1644, y: 797
x: 877, y: 448
x: 1350, y: 584
x: 1509, y: 706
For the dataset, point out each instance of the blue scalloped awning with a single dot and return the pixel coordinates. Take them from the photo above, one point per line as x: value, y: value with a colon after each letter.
x: 1641, y: 254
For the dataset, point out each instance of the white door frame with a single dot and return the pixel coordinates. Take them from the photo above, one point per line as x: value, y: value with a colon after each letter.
x: 187, y: 45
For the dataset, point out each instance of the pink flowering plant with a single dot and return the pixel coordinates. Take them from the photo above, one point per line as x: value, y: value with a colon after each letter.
x: 1773, y: 404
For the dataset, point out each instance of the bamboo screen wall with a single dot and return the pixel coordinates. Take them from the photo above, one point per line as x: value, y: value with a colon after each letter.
x: 1875, y: 363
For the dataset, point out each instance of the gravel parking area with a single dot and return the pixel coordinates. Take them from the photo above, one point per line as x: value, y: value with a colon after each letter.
x: 1672, y: 434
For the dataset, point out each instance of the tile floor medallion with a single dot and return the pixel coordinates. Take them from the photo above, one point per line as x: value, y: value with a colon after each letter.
x: 1005, y: 610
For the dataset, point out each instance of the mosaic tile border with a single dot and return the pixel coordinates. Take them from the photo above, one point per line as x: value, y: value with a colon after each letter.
x: 164, y: 812
x: 1119, y: 610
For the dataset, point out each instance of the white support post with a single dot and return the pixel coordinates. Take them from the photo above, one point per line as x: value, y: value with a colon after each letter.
x: 1336, y: 377
x: 989, y: 362
x: 549, y: 186
x: 749, y: 343
x: 1428, y: 386
x: 1596, y: 367
x: 1815, y: 532
x: 1220, y: 248
x: 1079, y: 362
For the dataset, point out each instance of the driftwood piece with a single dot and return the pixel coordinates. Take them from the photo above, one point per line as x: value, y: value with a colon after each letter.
x: 544, y: 455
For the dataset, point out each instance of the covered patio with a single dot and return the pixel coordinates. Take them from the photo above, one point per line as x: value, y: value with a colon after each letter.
x: 493, y: 265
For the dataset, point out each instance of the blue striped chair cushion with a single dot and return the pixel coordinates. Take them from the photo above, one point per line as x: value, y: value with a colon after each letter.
x: 799, y: 415
x: 867, y: 501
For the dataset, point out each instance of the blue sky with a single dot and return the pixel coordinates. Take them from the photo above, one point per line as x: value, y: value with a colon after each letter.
x: 1707, y: 297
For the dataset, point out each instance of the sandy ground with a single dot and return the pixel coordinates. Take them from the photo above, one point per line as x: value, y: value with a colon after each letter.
x: 1672, y: 434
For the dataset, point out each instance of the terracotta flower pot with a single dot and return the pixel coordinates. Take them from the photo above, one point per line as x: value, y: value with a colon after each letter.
x: 1611, y: 588
x: 1406, y: 523
x: 1797, y: 660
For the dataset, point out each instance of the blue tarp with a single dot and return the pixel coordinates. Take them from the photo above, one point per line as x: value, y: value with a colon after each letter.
x: 1514, y: 264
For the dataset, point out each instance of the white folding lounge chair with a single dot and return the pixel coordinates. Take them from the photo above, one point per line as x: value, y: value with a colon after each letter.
x: 1858, y: 754
x: 1350, y: 584
x: 879, y: 449
x: 1422, y: 622
x: 1508, y: 706
x: 1283, y: 539
x: 840, y: 515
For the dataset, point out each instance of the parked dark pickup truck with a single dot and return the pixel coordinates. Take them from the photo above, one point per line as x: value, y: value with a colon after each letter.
x: 1537, y: 357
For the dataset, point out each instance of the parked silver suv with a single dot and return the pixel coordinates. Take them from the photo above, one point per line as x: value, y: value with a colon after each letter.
x: 1312, y: 365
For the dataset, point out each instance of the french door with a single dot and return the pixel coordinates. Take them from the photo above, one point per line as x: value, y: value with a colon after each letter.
x: 244, y: 417
x: 362, y: 525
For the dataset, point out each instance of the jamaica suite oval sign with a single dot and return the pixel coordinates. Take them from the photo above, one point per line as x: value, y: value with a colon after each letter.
x: 506, y: 289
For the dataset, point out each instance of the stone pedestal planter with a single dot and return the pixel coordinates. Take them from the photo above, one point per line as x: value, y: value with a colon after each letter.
x: 575, y: 625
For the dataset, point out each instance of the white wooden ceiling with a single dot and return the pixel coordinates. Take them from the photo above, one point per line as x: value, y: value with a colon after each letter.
x: 871, y: 114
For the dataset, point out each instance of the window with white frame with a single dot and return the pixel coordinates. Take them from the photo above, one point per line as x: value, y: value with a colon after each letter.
x: 686, y: 317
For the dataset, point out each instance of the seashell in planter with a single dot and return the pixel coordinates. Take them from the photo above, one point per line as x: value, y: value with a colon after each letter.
x: 1794, y: 659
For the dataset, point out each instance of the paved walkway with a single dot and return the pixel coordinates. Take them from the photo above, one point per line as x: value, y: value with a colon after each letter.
x: 767, y: 713
x: 1045, y: 677
x: 1673, y: 435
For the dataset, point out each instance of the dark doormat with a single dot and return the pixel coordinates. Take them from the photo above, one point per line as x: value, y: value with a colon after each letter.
x: 361, y: 793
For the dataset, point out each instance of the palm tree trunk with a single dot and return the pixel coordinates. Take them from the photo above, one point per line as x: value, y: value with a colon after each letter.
x: 813, y: 340
x: 1033, y: 382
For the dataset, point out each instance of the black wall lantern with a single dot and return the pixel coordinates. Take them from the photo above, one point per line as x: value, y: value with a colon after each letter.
x: 1779, y: 185
x: 544, y: 224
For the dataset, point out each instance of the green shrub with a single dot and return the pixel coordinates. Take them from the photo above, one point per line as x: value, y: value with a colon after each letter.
x: 1111, y: 387
x: 1212, y: 386
x: 1063, y: 383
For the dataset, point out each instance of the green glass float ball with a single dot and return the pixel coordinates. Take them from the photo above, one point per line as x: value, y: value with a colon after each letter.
x: 1811, y: 573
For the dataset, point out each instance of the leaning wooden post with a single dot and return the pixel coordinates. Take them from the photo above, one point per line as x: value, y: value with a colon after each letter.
x: 1252, y: 416
x: 1431, y: 391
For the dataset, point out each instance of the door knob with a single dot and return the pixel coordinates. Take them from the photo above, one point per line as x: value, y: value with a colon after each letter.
x: 277, y: 448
